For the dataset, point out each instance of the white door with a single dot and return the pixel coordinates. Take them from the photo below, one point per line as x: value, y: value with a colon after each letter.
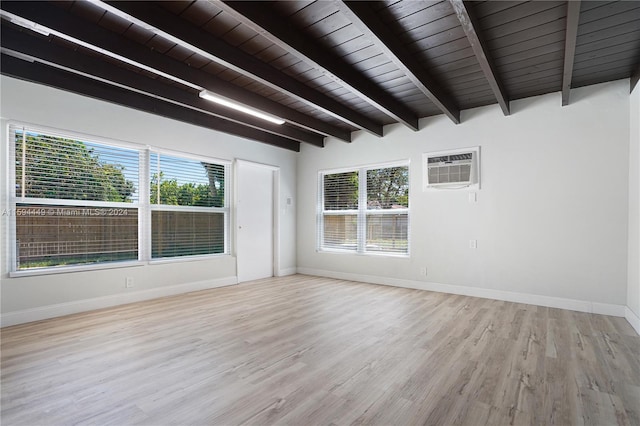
x: 255, y: 221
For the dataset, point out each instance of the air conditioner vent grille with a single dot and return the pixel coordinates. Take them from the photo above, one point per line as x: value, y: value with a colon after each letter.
x: 453, y: 169
x: 447, y: 174
x: 451, y: 158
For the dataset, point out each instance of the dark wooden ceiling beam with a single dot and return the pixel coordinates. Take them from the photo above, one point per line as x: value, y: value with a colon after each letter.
x: 219, y: 51
x: 361, y: 15
x: 271, y: 26
x: 59, y: 56
x: 571, y: 35
x: 71, y: 82
x: 57, y: 19
x: 472, y: 31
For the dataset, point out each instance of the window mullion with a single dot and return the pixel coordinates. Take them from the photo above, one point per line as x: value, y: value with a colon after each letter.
x: 320, y: 213
x: 144, y: 213
x: 362, y: 210
x: 12, y: 261
x: 227, y: 208
x: 24, y: 161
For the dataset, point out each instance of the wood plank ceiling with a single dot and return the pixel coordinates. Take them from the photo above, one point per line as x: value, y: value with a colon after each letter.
x: 327, y: 67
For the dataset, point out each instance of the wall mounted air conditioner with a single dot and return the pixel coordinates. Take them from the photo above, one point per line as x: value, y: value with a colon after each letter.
x: 453, y: 169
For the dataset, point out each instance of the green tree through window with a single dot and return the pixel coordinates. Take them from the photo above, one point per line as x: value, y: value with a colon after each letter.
x: 69, y: 196
x: 195, y: 222
x: 388, y: 187
x: 365, y: 210
x: 66, y: 169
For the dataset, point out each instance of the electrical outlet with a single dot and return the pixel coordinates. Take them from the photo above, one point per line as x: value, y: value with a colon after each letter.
x: 473, y: 244
x: 128, y: 282
x: 423, y: 271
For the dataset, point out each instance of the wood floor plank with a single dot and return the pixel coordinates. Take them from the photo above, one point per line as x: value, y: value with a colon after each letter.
x: 309, y: 350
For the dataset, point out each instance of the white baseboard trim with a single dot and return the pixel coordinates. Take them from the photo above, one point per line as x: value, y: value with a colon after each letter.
x: 633, y: 319
x: 287, y: 271
x: 507, y: 296
x: 67, y: 308
x: 60, y: 309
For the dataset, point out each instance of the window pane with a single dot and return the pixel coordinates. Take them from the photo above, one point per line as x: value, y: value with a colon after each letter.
x: 340, y: 232
x: 67, y: 169
x: 62, y: 235
x: 341, y: 191
x: 184, y: 182
x: 181, y: 233
x: 381, y: 225
x: 388, y: 188
x: 388, y: 233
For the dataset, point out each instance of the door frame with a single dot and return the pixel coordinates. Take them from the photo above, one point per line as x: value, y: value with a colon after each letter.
x: 274, y: 206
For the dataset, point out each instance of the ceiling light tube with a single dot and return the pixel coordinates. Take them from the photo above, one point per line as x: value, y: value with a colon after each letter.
x: 29, y: 25
x: 205, y: 94
x: 17, y: 55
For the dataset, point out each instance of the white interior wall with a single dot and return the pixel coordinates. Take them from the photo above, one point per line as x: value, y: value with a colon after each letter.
x: 554, y: 221
x: 28, y: 298
x: 550, y: 218
x: 633, y: 280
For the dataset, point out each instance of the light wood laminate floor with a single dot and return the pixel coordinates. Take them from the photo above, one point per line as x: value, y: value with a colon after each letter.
x: 304, y: 350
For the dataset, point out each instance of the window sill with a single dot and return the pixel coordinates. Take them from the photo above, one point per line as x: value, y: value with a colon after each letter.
x: 111, y: 265
x: 180, y: 259
x: 370, y: 253
x: 75, y: 268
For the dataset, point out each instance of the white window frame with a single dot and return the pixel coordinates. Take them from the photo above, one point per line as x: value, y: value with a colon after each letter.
x: 361, y: 212
x: 143, y: 204
x: 165, y: 207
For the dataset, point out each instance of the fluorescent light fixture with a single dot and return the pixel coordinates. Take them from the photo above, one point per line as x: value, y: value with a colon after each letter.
x: 29, y: 25
x: 205, y: 94
x: 32, y: 25
x: 17, y: 55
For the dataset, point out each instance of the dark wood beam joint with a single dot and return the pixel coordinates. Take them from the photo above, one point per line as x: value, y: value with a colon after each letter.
x: 59, y: 56
x: 71, y: 82
x: 363, y: 17
x: 472, y: 31
x: 58, y: 19
x: 270, y: 25
x: 243, y: 63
